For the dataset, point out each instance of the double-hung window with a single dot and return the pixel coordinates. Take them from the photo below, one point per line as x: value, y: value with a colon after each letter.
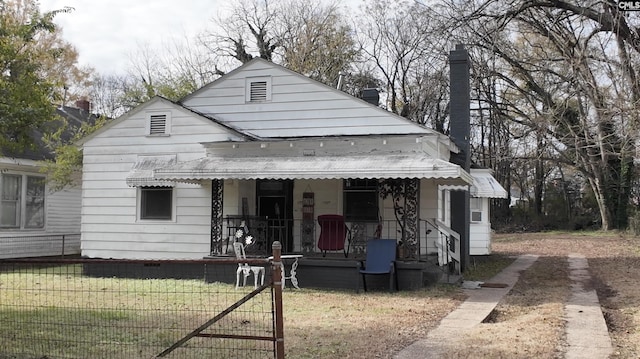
x: 22, y: 201
x: 475, y: 205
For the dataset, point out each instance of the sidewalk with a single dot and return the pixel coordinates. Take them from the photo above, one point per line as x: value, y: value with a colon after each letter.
x: 587, y: 335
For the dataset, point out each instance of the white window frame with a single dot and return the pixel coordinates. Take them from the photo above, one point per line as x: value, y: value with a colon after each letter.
x: 21, y: 210
x: 476, y: 206
x: 167, y: 124
x: 248, y: 87
x: 444, y: 204
x: 139, y: 205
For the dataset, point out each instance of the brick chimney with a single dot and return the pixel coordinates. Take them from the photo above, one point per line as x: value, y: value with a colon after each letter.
x: 83, y: 104
x: 371, y: 95
x: 460, y: 133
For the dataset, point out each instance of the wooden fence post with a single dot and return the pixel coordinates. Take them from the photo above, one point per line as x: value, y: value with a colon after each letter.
x: 276, y: 272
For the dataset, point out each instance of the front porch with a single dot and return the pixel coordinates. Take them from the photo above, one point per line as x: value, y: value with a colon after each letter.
x: 339, y: 269
x: 335, y: 272
x: 382, y: 187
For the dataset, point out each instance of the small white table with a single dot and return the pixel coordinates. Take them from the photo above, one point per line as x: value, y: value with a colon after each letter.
x: 293, y: 272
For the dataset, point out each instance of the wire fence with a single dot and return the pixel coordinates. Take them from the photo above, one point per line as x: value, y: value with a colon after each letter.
x: 39, y: 245
x: 84, y: 308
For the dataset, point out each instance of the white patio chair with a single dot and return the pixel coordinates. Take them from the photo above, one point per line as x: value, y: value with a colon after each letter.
x: 245, y: 269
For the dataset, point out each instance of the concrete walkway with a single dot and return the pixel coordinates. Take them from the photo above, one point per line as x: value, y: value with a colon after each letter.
x: 587, y: 335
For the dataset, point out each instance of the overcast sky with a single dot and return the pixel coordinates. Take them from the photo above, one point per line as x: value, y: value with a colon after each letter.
x: 105, y: 32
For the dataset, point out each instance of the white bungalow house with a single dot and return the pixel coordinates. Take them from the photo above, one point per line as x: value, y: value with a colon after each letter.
x: 272, y: 148
x: 36, y: 221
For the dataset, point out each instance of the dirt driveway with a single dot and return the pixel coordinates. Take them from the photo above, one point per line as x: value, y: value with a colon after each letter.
x: 529, y: 322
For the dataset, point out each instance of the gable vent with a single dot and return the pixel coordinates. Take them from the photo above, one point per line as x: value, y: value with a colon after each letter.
x: 157, y: 124
x: 258, y: 91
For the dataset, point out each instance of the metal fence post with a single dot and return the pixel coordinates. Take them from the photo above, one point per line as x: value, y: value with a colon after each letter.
x: 63, y: 246
x: 276, y: 272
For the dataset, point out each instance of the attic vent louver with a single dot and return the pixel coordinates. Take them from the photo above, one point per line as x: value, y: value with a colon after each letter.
x: 157, y: 124
x: 258, y: 91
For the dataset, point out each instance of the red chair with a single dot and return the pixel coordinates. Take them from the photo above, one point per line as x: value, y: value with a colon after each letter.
x: 333, y: 234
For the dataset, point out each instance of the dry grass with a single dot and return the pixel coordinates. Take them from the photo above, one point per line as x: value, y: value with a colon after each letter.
x: 324, y: 324
x: 528, y: 323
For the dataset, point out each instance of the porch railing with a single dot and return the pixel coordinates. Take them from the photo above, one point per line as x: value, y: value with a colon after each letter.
x: 448, y: 247
x: 432, y: 240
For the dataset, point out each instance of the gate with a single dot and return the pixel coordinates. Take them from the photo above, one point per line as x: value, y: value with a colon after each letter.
x: 278, y: 333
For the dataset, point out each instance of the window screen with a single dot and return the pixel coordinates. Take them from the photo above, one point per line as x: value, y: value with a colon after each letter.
x: 361, y: 200
x: 156, y: 202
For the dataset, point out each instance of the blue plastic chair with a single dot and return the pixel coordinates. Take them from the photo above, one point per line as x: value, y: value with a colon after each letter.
x: 381, y: 259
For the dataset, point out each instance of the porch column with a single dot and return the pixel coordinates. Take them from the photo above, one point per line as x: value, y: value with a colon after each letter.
x: 217, y: 187
x: 412, y: 217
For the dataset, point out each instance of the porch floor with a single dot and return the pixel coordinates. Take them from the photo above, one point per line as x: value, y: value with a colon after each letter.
x: 334, y: 271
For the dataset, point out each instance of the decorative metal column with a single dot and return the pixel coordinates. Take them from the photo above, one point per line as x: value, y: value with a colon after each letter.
x: 412, y: 217
x: 217, y: 187
x: 405, y: 194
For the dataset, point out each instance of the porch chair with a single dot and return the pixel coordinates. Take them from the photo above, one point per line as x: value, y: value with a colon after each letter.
x: 381, y: 255
x: 333, y: 234
x: 245, y: 269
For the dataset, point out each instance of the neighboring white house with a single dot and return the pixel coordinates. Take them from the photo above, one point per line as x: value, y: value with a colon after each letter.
x: 34, y: 220
x: 483, y: 189
x: 168, y: 179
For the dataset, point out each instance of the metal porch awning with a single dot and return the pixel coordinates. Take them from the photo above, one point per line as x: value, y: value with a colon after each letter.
x: 316, y: 167
x: 141, y: 174
x: 484, y: 185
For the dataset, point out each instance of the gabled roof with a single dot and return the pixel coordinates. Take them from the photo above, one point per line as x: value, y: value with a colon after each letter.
x: 75, y: 117
x: 169, y: 103
x: 304, y: 107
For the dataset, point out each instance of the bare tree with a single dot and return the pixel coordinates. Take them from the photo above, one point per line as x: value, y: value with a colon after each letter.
x: 250, y: 29
x: 316, y: 40
x: 567, y: 72
x: 402, y: 40
x: 306, y: 36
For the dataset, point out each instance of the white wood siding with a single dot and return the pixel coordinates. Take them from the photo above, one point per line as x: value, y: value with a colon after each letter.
x: 327, y: 200
x: 429, y: 209
x: 299, y: 107
x: 61, y: 233
x: 110, y: 224
x: 63, y: 211
x: 480, y: 232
